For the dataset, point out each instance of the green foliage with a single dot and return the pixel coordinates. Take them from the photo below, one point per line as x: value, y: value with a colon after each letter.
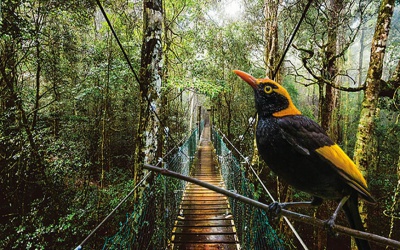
x: 69, y: 103
x: 290, y: 87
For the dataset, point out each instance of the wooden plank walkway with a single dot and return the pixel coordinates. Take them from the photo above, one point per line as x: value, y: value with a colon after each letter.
x: 205, y: 221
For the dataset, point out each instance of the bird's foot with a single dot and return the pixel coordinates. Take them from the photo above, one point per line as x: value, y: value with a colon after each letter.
x: 275, y: 209
x: 329, y: 225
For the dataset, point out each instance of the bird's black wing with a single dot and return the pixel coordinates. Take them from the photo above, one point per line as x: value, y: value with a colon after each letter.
x: 303, y: 133
x: 307, y: 136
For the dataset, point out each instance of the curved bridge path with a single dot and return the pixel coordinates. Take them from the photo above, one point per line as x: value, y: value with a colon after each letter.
x: 205, y: 220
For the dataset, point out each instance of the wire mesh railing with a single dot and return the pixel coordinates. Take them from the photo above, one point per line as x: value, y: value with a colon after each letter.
x: 253, y: 228
x: 150, y: 224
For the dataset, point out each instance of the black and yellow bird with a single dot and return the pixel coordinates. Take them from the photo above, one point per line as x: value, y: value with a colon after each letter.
x: 299, y: 151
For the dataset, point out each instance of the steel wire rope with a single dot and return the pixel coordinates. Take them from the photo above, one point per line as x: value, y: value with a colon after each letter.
x: 265, y: 188
x: 79, y: 247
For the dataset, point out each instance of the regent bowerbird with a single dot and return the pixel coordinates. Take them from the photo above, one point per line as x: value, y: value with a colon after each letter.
x: 300, y: 152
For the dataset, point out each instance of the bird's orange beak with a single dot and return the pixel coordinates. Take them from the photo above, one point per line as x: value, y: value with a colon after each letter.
x: 247, y: 78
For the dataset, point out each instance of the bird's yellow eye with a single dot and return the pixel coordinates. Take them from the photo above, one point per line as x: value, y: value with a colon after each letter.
x: 268, y: 89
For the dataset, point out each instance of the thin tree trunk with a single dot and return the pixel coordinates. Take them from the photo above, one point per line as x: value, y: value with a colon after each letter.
x: 271, y: 36
x: 361, y: 66
x: 361, y: 58
x: 270, y: 52
x: 37, y: 94
x: 105, y: 115
x: 331, y: 94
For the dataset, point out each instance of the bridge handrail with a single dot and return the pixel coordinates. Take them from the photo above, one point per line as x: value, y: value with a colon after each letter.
x: 253, y: 228
x: 149, y: 225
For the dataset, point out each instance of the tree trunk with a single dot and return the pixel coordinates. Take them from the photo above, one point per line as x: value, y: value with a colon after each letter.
x: 150, y: 86
x: 270, y: 52
x: 365, y: 148
x: 330, y: 66
x: 271, y: 36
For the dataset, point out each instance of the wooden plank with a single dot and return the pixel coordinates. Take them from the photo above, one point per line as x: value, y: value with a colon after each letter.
x: 202, y: 202
x: 205, y: 238
x: 203, y: 222
x: 205, y: 217
x: 207, y: 246
x: 203, y: 206
x: 210, y: 198
x: 204, y: 212
x: 205, y: 230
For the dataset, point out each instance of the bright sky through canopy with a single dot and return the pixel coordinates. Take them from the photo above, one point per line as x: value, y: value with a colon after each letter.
x: 232, y: 8
x: 226, y: 11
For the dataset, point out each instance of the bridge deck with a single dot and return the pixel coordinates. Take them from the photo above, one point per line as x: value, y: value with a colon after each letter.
x: 205, y: 221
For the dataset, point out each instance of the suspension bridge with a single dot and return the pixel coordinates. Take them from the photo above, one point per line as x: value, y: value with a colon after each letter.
x: 214, y: 208
x: 175, y: 214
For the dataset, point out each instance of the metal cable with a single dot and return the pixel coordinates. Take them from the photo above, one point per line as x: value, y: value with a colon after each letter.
x: 130, y: 65
x: 285, y: 52
x: 303, y: 15
x: 112, y: 212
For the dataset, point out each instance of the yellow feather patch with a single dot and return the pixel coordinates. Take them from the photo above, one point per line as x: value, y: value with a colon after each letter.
x: 291, y: 109
x: 340, y: 160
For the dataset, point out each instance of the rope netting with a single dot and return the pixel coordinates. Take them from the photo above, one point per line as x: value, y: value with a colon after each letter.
x: 150, y: 224
x: 253, y: 228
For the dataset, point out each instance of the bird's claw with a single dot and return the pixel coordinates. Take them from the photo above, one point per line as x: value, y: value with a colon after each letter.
x: 275, y: 209
x: 329, y: 225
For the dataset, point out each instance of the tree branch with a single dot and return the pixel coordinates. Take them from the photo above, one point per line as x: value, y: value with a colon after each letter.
x: 390, y: 87
x: 295, y: 216
x: 321, y: 79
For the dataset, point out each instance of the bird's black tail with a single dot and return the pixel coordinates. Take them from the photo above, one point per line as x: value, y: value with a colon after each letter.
x: 353, y: 216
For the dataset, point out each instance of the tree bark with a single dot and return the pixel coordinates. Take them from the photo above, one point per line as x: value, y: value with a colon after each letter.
x: 270, y: 52
x: 331, y: 94
x: 271, y: 36
x: 150, y: 86
x: 364, y: 152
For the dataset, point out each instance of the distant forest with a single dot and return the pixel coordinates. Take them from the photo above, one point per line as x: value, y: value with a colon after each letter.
x: 78, y: 117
